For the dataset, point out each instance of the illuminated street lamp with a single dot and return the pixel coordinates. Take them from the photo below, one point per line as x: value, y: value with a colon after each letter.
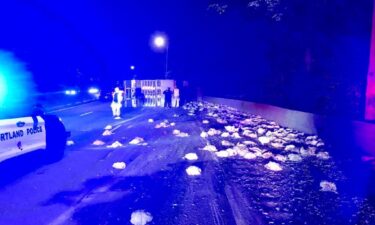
x: 132, y: 67
x: 161, y: 42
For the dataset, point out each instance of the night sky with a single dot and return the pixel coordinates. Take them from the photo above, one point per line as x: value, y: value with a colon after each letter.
x: 242, y: 53
x: 103, y: 38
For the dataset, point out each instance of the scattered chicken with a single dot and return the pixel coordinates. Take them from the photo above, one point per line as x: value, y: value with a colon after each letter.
x: 264, y: 140
x: 210, y: 148
x: 115, y: 144
x: 98, y: 143
x: 107, y: 133
x: 109, y: 127
x: 327, y: 186
x: 136, y: 141
x: 193, y: 171
x: 191, y: 156
x: 119, y: 165
x: 140, y: 217
x: 273, y: 166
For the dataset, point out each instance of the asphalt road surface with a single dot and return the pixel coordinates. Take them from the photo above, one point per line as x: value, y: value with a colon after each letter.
x: 85, y: 188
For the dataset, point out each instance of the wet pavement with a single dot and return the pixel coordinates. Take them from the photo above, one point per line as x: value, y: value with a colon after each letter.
x: 248, y: 171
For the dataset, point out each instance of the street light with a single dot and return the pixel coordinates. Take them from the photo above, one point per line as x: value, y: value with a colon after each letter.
x: 132, y: 67
x: 161, y: 42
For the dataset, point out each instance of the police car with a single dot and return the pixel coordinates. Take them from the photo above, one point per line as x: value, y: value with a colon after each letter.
x: 22, y: 135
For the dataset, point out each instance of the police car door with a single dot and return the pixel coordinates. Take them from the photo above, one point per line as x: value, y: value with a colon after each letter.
x: 21, y: 135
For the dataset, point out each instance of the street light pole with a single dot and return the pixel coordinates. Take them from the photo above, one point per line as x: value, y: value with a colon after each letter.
x: 166, y: 61
x: 161, y: 42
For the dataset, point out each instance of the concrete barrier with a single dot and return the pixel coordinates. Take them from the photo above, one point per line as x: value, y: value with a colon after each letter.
x: 348, y: 137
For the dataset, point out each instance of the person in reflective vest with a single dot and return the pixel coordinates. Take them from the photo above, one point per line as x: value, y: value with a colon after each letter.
x: 176, y: 97
x: 117, y: 103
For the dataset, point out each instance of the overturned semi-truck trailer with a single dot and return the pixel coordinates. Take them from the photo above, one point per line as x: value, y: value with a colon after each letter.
x: 152, y: 90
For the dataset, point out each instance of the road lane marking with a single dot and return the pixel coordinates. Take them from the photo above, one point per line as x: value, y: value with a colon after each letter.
x: 117, y: 127
x: 71, y: 107
x: 85, y: 114
x: 124, y: 121
x: 63, y: 109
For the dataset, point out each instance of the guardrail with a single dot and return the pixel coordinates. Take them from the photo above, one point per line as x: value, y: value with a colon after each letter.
x: 352, y: 137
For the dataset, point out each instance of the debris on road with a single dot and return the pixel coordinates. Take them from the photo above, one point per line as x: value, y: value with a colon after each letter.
x: 160, y: 125
x: 107, y: 133
x: 119, y: 165
x: 261, y: 131
x: 98, y: 143
x: 140, y: 217
x: 191, y: 156
x: 164, y: 124
x: 327, y: 186
x: 264, y: 140
x: 323, y: 155
x: 178, y: 133
x: 204, y: 134
x: 137, y: 141
x: 249, y: 143
x: 225, y: 135
x: 193, y: 171
x: 231, y: 129
x: 226, y: 143
x: 182, y: 134
x: 290, y: 147
x: 294, y: 158
x: 210, y: 148
x: 273, y: 166
x: 280, y: 158
x: 205, y: 122
x: 221, y: 121
x: 115, y: 144
x: 213, y: 132
x: 222, y: 154
x: 250, y: 155
x: 236, y: 136
x: 267, y: 155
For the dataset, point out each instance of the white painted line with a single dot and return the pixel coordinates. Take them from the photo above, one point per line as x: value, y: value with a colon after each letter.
x: 124, y: 121
x: 85, y: 114
x: 65, y: 216
x: 72, y: 107
x: 117, y: 127
x: 64, y: 109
